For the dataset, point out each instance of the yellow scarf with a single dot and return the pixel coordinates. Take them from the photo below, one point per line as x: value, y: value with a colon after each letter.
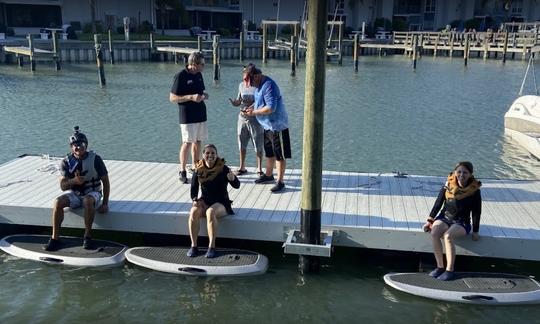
x: 454, y: 191
x: 206, y: 174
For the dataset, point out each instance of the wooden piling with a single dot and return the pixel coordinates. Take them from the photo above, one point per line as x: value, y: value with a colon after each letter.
x: 355, y: 52
x: 436, y: 44
x: 486, y: 45
x: 294, y: 40
x: 215, y: 52
x: 264, y: 43
x: 31, y: 47
x: 414, y: 50
x: 56, y: 51
x: 99, y: 60
x: 310, y: 221
x: 452, y: 36
x: 466, y: 49
x: 505, y: 46
x: 111, y: 51
x: 199, y: 43
x: 340, y: 44
x: 241, y: 53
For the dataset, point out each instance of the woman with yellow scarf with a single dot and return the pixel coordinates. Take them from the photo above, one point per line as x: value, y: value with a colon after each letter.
x: 212, y: 176
x: 460, y: 199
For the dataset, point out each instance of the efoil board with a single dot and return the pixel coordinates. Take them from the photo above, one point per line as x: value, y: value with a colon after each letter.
x: 469, y: 287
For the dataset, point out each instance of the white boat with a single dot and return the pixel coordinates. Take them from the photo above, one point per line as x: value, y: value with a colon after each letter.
x: 522, y: 123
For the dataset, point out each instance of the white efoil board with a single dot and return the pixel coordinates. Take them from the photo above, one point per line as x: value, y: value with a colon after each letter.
x: 228, y: 262
x: 469, y: 287
x: 71, y: 252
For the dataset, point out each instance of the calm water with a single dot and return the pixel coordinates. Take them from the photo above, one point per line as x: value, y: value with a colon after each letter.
x: 384, y: 118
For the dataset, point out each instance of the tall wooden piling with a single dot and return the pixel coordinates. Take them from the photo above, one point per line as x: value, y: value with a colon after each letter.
x: 111, y: 51
x: 215, y: 52
x: 486, y: 45
x: 310, y: 222
x: 436, y: 44
x: 99, y: 60
x: 199, y: 43
x: 264, y: 43
x: 340, y: 44
x: 56, y: 51
x: 31, y: 47
x: 355, y: 52
x: 414, y: 50
x: 505, y: 46
x: 294, y: 40
x: 153, y: 53
x: 466, y: 49
x: 452, y: 38
x: 241, y: 52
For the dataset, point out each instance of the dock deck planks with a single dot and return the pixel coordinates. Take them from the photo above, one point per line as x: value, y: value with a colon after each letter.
x: 367, y: 210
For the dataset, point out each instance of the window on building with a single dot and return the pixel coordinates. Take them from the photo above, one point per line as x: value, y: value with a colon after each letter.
x: 430, y: 6
x: 516, y: 7
x: 22, y: 15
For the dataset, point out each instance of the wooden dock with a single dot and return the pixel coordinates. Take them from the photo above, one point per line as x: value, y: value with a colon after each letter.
x: 367, y: 210
x: 485, y: 44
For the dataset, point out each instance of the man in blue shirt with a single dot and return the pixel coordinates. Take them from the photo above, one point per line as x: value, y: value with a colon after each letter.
x: 270, y: 111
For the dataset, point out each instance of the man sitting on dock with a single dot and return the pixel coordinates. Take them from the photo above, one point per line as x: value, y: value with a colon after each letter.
x: 84, y: 174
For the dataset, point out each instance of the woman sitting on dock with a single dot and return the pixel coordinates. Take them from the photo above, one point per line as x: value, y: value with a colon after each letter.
x: 459, y: 198
x: 212, y: 175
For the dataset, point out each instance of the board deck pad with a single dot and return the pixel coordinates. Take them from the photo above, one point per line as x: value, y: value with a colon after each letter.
x: 175, y: 260
x: 70, y: 251
x: 477, y: 287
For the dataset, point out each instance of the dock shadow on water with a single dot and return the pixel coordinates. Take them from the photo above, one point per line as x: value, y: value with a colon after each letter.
x: 381, y: 119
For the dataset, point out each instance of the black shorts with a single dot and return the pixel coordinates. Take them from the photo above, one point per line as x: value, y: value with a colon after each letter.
x: 277, y: 144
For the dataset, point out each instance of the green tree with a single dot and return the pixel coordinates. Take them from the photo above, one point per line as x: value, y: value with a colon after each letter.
x: 163, y: 5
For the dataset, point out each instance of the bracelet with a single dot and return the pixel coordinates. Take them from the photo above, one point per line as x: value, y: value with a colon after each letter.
x: 430, y: 220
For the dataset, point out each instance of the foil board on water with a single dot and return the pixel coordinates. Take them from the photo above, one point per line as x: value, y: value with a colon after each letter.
x: 469, y: 287
x: 228, y: 262
x: 71, y: 252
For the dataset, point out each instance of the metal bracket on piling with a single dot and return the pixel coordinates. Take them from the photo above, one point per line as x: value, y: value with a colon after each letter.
x: 323, y: 250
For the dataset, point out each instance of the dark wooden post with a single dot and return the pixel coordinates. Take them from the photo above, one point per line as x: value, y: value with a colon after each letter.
x: 355, y: 52
x: 296, y: 46
x: 241, y: 53
x: 215, y: 47
x: 310, y: 222
x: 99, y: 60
x: 31, y: 47
x: 414, y: 50
x: 486, y: 45
x: 340, y: 44
x: 294, y: 40
x: 452, y: 36
x: 56, y: 51
x: 199, y: 43
x: 505, y: 46
x: 111, y: 51
x: 264, y: 43
x: 466, y: 49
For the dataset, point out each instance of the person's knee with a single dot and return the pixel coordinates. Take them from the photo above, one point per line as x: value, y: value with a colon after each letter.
x: 195, y: 213
x: 448, y: 237
x: 211, y: 215
x: 61, y: 202
x: 89, y: 203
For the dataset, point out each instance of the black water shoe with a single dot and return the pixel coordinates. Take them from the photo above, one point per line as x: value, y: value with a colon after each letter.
x: 436, y: 272
x: 182, y: 176
x: 193, y: 252
x: 87, y: 243
x: 52, y: 245
x: 211, y: 253
x: 278, y: 187
x: 265, y: 179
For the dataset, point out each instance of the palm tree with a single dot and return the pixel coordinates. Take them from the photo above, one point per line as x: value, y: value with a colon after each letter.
x: 162, y: 5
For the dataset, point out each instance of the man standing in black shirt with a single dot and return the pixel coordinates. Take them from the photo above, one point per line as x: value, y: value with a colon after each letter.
x: 188, y: 92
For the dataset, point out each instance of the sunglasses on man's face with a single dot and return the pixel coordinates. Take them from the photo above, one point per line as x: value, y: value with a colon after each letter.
x: 77, y: 146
